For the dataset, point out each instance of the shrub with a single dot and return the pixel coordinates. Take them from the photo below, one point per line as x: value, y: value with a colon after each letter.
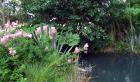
x: 36, y: 55
x: 11, y: 69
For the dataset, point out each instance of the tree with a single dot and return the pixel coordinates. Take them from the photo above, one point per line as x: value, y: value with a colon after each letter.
x: 75, y: 14
x: 2, y: 19
x: 10, y: 9
x: 68, y: 10
x: 132, y: 11
x: 111, y: 16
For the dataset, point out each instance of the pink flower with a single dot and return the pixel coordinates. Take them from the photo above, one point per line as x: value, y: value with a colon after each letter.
x: 13, y: 36
x: 53, y: 30
x: 38, y: 30
x: 77, y: 50
x: 6, y: 36
x: 45, y: 28
x: 7, y: 25
x: 4, y: 40
x: 14, y: 24
x: 18, y: 33
x: 52, y: 33
x: 27, y: 35
x: 86, y: 46
x: 24, y: 35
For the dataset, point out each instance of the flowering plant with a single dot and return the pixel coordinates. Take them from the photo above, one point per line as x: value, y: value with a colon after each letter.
x: 44, y: 44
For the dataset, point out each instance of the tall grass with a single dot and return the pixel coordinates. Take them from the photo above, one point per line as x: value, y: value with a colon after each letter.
x: 55, y: 69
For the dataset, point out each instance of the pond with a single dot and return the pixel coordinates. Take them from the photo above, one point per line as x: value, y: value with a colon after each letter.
x: 113, y: 68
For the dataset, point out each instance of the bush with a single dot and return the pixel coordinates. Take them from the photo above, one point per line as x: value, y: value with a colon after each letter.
x: 11, y: 69
x: 36, y: 55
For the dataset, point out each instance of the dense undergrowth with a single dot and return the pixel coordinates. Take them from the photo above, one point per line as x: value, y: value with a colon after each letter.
x: 36, y: 55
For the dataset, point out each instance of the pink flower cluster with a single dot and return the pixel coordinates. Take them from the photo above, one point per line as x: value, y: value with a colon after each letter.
x: 52, y: 31
x: 77, y: 49
x: 10, y: 25
x: 18, y: 33
x: 38, y: 30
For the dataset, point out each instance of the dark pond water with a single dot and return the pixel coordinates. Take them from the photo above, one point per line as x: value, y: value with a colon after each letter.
x: 113, y: 68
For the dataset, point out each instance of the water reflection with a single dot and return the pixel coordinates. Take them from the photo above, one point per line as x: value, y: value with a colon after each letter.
x: 116, y: 68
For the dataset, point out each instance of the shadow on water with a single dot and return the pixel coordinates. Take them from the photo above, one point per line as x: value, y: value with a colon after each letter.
x: 113, y: 68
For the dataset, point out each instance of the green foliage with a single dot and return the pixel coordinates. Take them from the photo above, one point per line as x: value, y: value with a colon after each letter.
x: 116, y: 8
x: 3, y: 50
x: 53, y: 70
x: 27, y: 28
x: 75, y: 14
x: 36, y: 58
x: 11, y: 9
x: 88, y: 32
x: 69, y: 38
x: 26, y: 49
x: 122, y: 46
x: 63, y: 9
x: 11, y: 69
x: 1, y: 17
